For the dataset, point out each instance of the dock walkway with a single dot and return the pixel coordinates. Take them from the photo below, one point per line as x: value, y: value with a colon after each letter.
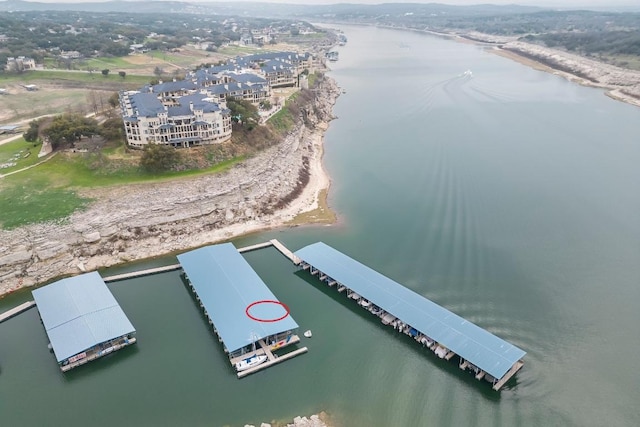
x: 255, y: 247
x: 141, y: 273
x: 276, y: 244
x: 286, y: 252
x: 16, y: 310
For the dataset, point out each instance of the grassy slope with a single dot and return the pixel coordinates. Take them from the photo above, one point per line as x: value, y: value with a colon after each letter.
x: 50, y: 191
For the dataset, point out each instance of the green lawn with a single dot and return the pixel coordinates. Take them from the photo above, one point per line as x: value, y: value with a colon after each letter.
x: 111, y: 63
x: 312, y: 79
x: 282, y: 120
x: 32, y: 201
x: 48, y: 191
x: 233, y: 50
x: 96, y: 170
x: 18, y: 154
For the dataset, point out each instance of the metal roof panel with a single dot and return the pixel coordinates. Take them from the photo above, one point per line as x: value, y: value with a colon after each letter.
x: 78, y: 313
x: 227, y: 287
x: 481, y: 348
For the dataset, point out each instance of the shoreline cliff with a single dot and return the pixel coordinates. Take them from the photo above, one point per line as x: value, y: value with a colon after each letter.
x: 136, y: 222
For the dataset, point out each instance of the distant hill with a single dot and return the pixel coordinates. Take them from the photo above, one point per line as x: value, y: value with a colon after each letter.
x: 108, y: 6
x: 341, y: 10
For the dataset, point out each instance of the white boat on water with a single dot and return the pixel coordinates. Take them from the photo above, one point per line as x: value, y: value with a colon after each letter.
x: 308, y: 334
x: 250, y: 362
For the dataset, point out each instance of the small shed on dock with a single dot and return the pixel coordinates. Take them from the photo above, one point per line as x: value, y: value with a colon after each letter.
x: 242, y: 309
x: 82, y: 319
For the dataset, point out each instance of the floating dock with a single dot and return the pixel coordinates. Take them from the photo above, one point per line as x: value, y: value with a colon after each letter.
x: 16, y: 310
x: 440, y: 330
x: 82, y: 319
x: 244, y: 313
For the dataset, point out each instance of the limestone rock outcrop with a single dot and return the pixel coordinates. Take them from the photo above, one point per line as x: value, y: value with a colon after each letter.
x: 141, y: 221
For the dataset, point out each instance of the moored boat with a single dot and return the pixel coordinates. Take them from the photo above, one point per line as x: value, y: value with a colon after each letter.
x: 250, y: 362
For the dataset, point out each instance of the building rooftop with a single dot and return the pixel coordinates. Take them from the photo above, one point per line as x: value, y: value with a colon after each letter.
x: 146, y: 104
x: 78, y: 313
x: 230, y: 290
x: 476, y: 345
x: 185, y: 102
x: 174, y: 86
x: 247, y: 78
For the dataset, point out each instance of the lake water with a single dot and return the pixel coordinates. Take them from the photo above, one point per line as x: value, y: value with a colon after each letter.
x: 509, y: 197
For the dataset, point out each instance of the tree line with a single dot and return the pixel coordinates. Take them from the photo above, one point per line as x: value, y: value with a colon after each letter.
x: 41, y: 35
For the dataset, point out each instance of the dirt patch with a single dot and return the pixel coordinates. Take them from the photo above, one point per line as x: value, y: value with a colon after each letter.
x: 21, y: 104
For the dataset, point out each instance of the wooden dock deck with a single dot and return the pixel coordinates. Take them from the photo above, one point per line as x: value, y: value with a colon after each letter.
x: 286, y: 252
x: 272, y: 362
x: 276, y: 244
x: 141, y: 273
x: 515, y: 368
x: 255, y: 247
x: 272, y: 359
x: 16, y: 310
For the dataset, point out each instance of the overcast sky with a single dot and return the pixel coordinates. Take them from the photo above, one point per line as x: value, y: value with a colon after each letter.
x: 563, y: 4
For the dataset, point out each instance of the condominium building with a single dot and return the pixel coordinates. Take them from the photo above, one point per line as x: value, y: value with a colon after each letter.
x: 191, y: 120
x: 193, y: 111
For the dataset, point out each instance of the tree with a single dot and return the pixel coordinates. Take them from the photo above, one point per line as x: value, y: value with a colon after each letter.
x: 105, y: 72
x: 265, y: 105
x: 114, y: 100
x: 243, y: 112
x: 158, y: 71
x: 69, y: 128
x: 158, y: 158
x: 31, y: 135
x: 122, y: 74
x: 93, y: 99
x: 112, y: 129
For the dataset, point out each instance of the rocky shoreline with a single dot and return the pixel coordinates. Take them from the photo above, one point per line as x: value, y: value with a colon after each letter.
x: 312, y: 421
x: 135, y: 222
x: 620, y: 83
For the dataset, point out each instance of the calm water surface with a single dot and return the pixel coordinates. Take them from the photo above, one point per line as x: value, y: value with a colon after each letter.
x: 510, y: 197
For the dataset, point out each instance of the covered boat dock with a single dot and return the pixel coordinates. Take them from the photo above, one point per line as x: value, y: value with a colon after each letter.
x: 248, y: 319
x: 82, y: 319
x: 437, y: 328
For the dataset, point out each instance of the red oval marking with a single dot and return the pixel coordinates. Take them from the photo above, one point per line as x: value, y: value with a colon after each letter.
x: 257, y: 319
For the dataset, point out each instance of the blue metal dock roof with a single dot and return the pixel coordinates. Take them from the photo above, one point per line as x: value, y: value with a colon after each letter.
x: 481, y: 348
x: 227, y: 286
x: 78, y: 313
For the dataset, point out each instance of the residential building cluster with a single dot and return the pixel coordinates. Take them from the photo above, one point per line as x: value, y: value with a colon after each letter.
x: 193, y: 111
x: 20, y: 63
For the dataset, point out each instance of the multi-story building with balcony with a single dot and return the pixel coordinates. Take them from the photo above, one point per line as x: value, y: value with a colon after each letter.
x: 193, y: 111
x: 191, y: 120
